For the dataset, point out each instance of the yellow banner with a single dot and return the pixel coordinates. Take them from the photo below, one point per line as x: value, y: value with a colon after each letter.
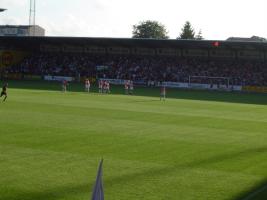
x: 255, y: 89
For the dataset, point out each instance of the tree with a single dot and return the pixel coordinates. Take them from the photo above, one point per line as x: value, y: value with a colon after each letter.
x: 187, y: 31
x: 199, y: 35
x: 258, y: 39
x: 150, y: 29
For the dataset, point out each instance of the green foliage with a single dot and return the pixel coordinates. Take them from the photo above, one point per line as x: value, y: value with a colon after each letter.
x: 187, y: 31
x: 197, y: 145
x: 150, y: 29
x: 199, y: 36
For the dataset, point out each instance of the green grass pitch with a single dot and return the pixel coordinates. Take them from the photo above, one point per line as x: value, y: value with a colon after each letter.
x: 197, y: 145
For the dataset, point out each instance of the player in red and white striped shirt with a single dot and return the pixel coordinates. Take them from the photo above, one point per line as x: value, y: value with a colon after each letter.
x: 126, y: 86
x: 87, y: 85
x: 64, y: 85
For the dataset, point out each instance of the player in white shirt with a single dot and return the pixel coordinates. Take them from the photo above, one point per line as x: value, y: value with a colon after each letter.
x: 131, y: 87
x: 162, y: 92
x: 108, y: 87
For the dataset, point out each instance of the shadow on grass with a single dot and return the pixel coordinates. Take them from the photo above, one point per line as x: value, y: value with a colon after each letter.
x: 219, y: 96
x: 257, y: 192
x: 232, y: 157
x: 169, y: 171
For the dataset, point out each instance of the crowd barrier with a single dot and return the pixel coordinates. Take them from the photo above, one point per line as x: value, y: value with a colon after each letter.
x: 58, y: 78
x: 254, y: 89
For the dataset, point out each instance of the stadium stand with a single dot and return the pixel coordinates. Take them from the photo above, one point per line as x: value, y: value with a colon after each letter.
x: 241, y: 63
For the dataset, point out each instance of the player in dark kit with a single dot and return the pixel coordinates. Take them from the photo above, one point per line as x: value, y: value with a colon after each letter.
x: 4, y: 93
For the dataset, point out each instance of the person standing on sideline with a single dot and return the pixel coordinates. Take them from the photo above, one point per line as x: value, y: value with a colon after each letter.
x: 4, y: 91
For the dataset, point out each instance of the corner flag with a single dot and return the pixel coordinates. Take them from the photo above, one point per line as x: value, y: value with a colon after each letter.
x: 98, y: 192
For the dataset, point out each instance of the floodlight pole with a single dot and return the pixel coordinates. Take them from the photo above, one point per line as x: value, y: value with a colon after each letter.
x: 34, y: 6
x: 1, y: 68
x: 32, y: 15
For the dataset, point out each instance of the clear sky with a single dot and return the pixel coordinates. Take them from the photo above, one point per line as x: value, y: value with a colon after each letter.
x: 218, y: 19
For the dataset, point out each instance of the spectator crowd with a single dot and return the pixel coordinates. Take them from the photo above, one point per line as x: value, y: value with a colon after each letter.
x: 143, y: 68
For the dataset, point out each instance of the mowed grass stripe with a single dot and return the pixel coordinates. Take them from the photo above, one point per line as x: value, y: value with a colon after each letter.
x: 148, y: 104
x: 189, y: 129
x: 178, y: 118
